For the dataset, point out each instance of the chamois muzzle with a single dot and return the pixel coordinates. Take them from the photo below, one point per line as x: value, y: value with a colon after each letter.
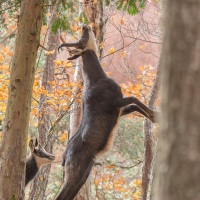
x: 42, y: 153
x: 80, y: 45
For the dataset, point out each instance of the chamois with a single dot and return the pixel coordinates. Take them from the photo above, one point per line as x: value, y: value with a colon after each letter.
x: 37, y: 159
x: 102, y: 105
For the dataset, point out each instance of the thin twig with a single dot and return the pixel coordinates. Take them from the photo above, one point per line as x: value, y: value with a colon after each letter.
x: 7, y: 36
x: 120, y: 166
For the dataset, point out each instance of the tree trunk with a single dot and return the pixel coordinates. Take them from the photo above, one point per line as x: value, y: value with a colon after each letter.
x: 75, y: 116
x: 178, y: 162
x: 38, y: 187
x: 14, y: 142
x: 76, y: 110
x: 148, y: 138
x: 94, y: 13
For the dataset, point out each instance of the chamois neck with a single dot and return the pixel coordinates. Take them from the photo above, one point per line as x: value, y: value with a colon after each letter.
x: 92, y: 69
x: 31, y: 169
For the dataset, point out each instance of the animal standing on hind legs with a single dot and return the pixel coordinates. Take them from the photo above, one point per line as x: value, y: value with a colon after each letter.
x: 103, y: 104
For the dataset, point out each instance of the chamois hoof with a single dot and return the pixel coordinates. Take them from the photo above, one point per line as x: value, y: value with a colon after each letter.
x: 154, y: 117
x: 60, y: 48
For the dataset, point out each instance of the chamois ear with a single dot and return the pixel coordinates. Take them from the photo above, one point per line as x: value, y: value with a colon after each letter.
x: 31, y: 145
x: 36, y: 142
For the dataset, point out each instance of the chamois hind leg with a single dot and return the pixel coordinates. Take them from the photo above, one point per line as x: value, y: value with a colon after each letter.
x: 77, y: 170
x: 119, y: 103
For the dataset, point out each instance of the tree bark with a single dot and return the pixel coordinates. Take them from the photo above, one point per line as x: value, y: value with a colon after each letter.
x: 75, y: 116
x: 94, y: 13
x: 76, y: 110
x: 38, y: 187
x: 14, y: 142
x: 148, y: 138
x: 178, y: 162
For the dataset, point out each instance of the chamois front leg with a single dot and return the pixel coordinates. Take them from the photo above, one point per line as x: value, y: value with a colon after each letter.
x: 140, y: 107
x: 132, y: 108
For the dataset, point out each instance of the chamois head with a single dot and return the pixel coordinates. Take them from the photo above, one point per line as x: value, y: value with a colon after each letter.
x: 86, y: 41
x: 41, y: 156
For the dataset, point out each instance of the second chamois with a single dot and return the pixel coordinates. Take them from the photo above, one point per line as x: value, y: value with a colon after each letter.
x: 36, y: 160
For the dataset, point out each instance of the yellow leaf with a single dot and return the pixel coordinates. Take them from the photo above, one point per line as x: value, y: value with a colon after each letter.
x: 57, y: 62
x: 3, y: 109
x: 2, y: 76
x: 103, y: 64
x: 96, y: 182
x: 138, y: 182
x: 36, y: 83
x: 63, y: 137
x: 141, y: 47
x: 123, y: 54
x: 44, y: 29
x: 101, y: 45
x: 141, y: 68
x: 49, y: 52
x: 41, y: 178
x: 148, y: 83
x: 74, y: 27
x: 112, y: 50
x: 91, y: 24
x: 69, y: 64
x: 12, y: 27
x: 48, y: 14
x: 122, y: 21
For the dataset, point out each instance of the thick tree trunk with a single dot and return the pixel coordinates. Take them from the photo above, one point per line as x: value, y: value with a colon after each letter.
x: 178, y: 162
x: 76, y: 110
x: 14, y: 143
x: 94, y: 13
x: 75, y: 116
x: 38, y: 187
x: 148, y: 138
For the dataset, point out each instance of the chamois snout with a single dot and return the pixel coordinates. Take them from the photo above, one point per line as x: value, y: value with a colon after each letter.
x: 86, y: 42
x: 42, y: 157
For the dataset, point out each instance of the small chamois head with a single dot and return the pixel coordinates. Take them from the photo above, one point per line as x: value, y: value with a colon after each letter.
x: 86, y: 41
x: 41, y: 156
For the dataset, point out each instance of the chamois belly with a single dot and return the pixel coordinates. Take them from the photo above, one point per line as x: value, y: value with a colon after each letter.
x: 100, y: 117
x: 99, y: 132
x: 108, y: 144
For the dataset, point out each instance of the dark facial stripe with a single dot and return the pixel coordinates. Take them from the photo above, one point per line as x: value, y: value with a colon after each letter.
x: 40, y: 153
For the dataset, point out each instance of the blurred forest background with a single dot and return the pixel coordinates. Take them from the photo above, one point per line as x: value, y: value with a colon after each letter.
x: 129, y: 38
